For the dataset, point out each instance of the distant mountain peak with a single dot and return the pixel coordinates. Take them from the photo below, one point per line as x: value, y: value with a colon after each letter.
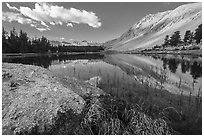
x: 152, y: 28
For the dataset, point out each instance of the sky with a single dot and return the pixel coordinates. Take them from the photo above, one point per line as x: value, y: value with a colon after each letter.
x: 68, y: 21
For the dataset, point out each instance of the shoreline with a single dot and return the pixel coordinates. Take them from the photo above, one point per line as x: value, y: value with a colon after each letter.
x: 173, y: 52
x: 7, y: 55
x: 181, y: 52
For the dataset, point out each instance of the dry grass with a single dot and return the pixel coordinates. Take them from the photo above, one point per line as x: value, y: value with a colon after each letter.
x: 113, y: 116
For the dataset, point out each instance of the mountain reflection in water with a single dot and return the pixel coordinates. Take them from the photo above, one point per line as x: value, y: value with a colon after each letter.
x: 186, y: 70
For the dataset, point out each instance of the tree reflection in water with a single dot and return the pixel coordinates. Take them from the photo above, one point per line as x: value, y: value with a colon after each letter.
x: 173, y: 65
x: 185, y: 65
x: 192, y: 66
x: 196, y: 69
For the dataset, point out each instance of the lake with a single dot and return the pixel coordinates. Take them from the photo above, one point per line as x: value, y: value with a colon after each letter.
x: 155, y: 82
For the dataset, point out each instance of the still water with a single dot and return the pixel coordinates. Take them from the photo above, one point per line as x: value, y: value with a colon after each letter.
x: 120, y: 71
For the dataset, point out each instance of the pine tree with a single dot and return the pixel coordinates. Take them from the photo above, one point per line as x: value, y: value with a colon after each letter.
x: 166, y: 41
x: 4, y: 41
x: 23, y: 41
x: 188, y: 37
x: 175, y: 39
x: 13, y: 41
x: 198, y: 34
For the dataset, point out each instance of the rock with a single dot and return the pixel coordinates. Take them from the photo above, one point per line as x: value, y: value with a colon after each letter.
x: 35, y: 101
x: 82, y: 88
x: 94, y: 81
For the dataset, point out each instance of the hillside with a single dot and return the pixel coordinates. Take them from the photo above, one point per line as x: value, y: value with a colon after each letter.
x: 153, y: 28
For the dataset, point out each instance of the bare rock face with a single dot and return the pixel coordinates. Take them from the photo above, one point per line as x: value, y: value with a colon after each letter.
x: 34, y: 101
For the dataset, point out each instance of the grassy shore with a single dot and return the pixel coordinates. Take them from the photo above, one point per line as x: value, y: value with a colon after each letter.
x: 174, y: 52
x: 178, y: 52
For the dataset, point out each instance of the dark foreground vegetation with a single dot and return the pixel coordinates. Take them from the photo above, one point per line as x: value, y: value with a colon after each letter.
x: 20, y: 43
x: 114, y: 116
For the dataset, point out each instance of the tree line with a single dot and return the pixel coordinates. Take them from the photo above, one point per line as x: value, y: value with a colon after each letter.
x: 13, y: 42
x: 189, y: 38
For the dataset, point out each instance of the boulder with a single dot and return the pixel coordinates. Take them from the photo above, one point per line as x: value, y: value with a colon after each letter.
x: 35, y: 101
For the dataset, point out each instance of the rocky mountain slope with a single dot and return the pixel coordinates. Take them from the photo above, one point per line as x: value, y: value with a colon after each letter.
x: 153, y: 28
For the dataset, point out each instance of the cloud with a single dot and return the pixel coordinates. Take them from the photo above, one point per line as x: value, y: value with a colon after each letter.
x: 62, y: 38
x: 12, y: 8
x: 42, y: 29
x: 52, y: 23
x: 70, y: 24
x: 44, y: 24
x: 11, y: 16
x: 166, y: 3
x: 45, y: 14
x: 18, y: 17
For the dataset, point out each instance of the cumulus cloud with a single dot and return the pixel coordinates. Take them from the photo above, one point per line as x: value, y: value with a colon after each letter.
x: 12, y: 8
x: 45, y: 14
x: 18, y: 17
x: 11, y: 16
x: 62, y: 38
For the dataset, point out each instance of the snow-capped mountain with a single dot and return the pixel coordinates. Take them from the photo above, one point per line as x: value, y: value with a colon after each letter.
x: 75, y: 43
x: 153, y: 28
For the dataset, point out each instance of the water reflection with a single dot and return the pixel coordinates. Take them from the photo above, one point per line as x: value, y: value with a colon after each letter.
x: 188, y: 64
x: 47, y: 60
x: 185, y: 66
x: 192, y: 66
x: 173, y: 65
x: 196, y: 69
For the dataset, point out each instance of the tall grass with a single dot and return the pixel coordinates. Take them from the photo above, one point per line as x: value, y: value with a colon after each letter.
x: 114, y: 116
x: 183, y: 111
